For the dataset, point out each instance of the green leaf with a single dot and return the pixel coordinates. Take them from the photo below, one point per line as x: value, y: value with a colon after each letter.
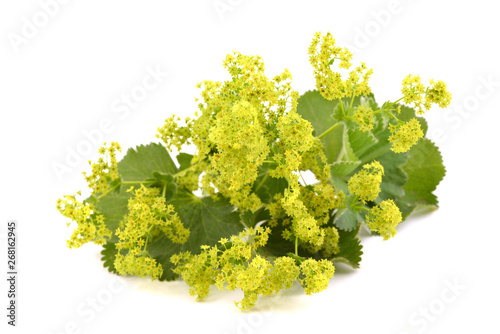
x: 394, y: 177
x: 347, y: 218
x: 266, y: 186
x: 108, y: 256
x: 251, y: 219
x: 140, y: 163
x: 361, y: 141
x: 344, y: 168
x: 184, y: 160
x: 350, y: 248
x: 164, y: 180
x: 317, y: 110
x: 208, y: 220
x: 276, y: 246
x: 347, y: 153
x: 114, y: 208
x: 115, y: 185
x: 425, y: 171
x: 408, y: 113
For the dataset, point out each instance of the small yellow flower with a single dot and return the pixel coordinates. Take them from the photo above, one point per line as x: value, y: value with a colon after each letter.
x: 366, y: 183
x: 317, y: 275
x: 384, y: 218
x: 422, y: 98
x: 363, y: 116
x: 404, y: 136
x: 323, y: 52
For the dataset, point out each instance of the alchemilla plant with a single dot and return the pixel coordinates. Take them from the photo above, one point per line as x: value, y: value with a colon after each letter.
x: 259, y: 226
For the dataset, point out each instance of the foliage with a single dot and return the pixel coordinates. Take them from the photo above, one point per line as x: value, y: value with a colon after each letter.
x: 258, y: 226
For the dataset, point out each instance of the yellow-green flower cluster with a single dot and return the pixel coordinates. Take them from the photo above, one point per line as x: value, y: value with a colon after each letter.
x: 148, y: 216
x: 105, y: 168
x: 322, y: 54
x: 252, y: 146
x: 237, y: 126
x: 174, y: 135
x: 384, y: 218
x: 414, y: 92
x: 317, y: 275
x: 363, y: 116
x: 295, y: 133
x: 320, y: 199
x: 314, y: 159
x: 404, y: 136
x: 366, y: 183
x: 241, y: 146
x: 331, y: 243
x: 304, y: 226
x: 90, y: 225
x: 235, y: 265
x: 141, y: 264
x: 250, y: 121
x: 308, y: 209
x: 437, y: 93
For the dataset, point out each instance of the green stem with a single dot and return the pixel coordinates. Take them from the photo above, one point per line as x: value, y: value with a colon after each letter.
x: 329, y: 130
x: 391, y: 104
x: 184, y: 170
x: 391, y: 114
x: 302, y: 179
x: 147, y: 237
x: 109, y: 190
x: 297, y: 245
x: 352, y: 100
x: 138, y: 182
x: 398, y: 100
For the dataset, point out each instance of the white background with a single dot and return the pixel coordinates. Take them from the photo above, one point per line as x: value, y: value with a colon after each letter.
x: 69, y: 74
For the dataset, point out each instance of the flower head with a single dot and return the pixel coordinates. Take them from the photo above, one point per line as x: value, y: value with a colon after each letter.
x: 404, y: 136
x: 366, y: 183
x: 384, y: 218
x: 322, y: 54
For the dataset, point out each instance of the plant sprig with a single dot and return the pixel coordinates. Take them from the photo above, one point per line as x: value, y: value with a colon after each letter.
x: 257, y: 227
